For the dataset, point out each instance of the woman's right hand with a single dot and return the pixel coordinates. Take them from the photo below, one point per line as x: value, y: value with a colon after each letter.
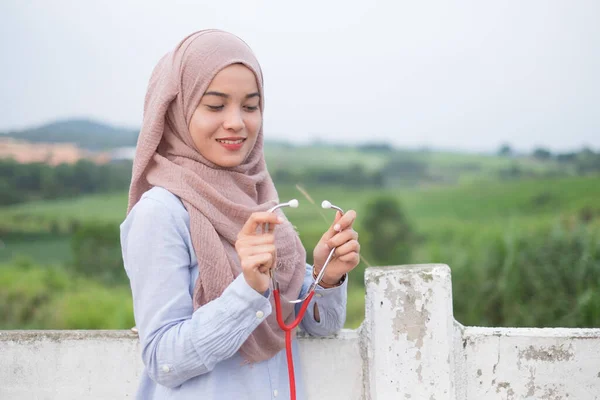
x: 256, y: 250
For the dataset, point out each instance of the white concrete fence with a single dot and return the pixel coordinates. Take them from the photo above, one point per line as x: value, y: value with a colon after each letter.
x: 409, y: 347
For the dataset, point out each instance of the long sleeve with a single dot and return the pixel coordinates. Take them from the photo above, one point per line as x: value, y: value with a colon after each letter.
x: 178, y: 343
x: 332, y: 307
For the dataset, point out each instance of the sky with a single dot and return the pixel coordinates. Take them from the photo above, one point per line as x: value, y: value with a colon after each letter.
x: 464, y: 75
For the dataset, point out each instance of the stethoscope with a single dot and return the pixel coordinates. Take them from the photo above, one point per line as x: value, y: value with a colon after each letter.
x: 305, y: 300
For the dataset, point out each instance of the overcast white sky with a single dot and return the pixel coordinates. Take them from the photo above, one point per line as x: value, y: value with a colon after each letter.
x: 468, y: 75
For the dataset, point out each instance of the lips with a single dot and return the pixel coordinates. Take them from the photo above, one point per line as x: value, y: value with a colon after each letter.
x: 231, y: 140
x: 232, y: 143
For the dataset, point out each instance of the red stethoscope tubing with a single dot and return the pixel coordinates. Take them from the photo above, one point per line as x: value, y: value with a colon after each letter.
x: 277, y: 297
x: 288, y: 335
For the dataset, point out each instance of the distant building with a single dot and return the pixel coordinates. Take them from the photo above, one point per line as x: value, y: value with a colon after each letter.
x: 49, y: 153
x: 122, y: 154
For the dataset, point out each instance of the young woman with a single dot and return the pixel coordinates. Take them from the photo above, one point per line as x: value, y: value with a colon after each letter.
x: 197, y: 260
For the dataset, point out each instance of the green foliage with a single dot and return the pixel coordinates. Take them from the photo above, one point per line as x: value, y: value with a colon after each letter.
x: 405, y: 170
x: 538, y: 277
x: 68, y: 214
x: 387, y: 234
x: 49, y: 297
x: 505, y: 150
x: 354, y: 175
x: 50, y: 247
x: 25, y: 182
x: 522, y: 253
x: 90, y: 307
x: 25, y: 289
x: 542, y: 154
x: 376, y: 148
x: 97, y: 252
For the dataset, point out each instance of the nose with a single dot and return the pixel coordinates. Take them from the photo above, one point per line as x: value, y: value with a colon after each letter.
x: 233, y: 121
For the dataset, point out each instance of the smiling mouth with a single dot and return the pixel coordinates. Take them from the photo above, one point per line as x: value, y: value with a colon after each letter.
x: 231, y: 141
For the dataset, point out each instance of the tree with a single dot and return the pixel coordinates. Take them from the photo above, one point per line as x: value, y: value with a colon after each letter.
x: 505, y: 150
x: 389, y: 235
x: 97, y: 252
x: 542, y: 154
x: 376, y: 148
x: 405, y: 169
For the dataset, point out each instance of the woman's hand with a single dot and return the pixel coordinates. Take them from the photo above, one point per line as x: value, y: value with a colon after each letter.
x: 346, y: 255
x: 257, y: 250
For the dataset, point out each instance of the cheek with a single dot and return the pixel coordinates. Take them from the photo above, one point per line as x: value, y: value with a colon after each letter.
x: 253, y: 123
x: 203, y: 126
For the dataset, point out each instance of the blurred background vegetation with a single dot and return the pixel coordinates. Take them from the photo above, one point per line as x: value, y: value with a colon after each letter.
x: 520, y: 231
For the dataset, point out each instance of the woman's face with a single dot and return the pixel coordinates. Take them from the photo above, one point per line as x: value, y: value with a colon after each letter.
x: 225, y: 125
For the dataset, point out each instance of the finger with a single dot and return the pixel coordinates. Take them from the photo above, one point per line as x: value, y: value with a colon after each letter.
x: 332, y: 231
x: 341, y: 223
x: 256, y: 261
x: 245, y: 242
x: 350, y: 258
x: 254, y: 250
x: 260, y: 218
x: 267, y: 238
x: 263, y: 269
x: 351, y: 246
x: 342, y: 237
x: 346, y: 221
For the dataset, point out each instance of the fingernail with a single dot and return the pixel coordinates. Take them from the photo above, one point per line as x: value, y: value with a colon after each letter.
x: 337, y: 227
x: 280, y: 219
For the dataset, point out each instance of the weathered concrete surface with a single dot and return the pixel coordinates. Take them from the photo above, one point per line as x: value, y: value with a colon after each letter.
x: 409, y: 332
x: 68, y: 365
x: 532, y: 364
x: 332, y: 367
x: 101, y: 365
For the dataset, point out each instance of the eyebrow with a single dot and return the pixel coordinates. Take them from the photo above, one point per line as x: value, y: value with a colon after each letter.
x: 226, y: 96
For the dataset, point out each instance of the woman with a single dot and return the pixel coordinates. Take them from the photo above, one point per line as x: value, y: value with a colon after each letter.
x: 197, y: 261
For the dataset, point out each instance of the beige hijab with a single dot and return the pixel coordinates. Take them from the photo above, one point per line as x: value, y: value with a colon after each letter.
x: 219, y: 200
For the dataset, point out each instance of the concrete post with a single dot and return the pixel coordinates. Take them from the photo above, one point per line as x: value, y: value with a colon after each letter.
x: 408, y: 333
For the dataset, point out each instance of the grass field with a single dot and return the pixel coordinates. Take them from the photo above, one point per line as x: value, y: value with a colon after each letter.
x: 441, y: 166
x: 474, y: 202
x: 513, y: 246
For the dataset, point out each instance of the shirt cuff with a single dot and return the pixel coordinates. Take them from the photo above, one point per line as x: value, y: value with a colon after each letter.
x: 332, y: 310
x: 343, y: 279
x: 334, y: 295
x: 242, y: 301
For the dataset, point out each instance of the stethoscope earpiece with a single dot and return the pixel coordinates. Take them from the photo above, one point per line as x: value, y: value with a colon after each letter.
x: 294, y: 204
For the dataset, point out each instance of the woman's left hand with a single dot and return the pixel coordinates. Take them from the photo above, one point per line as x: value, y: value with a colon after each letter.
x: 344, y: 238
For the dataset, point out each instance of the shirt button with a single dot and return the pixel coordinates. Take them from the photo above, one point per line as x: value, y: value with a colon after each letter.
x: 260, y: 314
x: 166, y: 369
x: 275, y: 393
x: 318, y: 295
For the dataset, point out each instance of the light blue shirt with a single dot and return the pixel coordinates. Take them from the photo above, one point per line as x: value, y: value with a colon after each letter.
x: 194, y: 355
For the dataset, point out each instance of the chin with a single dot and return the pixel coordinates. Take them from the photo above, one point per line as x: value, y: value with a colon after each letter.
x: 230, y: 162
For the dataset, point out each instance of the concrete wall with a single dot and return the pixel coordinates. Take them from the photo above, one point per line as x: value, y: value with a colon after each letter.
x: 103, y: 365
x: 531, y: 363
x: 409, y: 347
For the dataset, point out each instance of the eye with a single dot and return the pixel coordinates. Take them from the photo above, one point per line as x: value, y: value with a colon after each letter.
x: 215, y: 108
x: 251, y: 108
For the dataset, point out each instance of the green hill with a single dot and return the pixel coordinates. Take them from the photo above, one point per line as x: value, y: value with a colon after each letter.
x: 84, y: 133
